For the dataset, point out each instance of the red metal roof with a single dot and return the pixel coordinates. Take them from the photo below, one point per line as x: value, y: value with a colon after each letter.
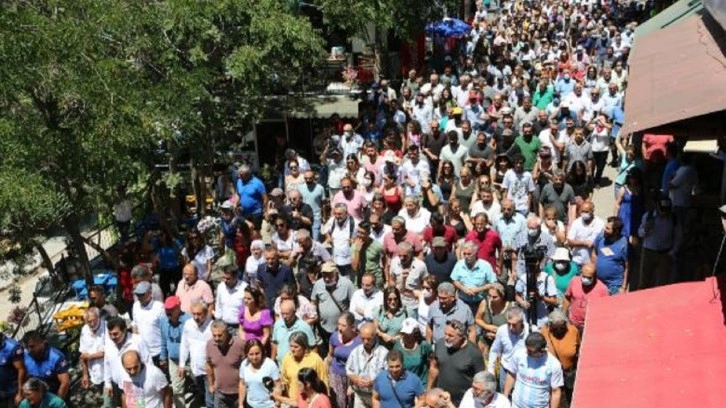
x: 676, y: 73
x: 660, y: 347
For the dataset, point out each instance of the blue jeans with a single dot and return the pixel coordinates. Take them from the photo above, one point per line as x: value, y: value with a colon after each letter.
x: 316, y: 229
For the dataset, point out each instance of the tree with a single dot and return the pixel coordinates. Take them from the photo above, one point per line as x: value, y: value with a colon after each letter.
x: 90, y: 88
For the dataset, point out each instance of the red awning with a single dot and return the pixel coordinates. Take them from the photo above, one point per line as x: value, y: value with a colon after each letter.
x: 663, y: 347
x: 676, y: 73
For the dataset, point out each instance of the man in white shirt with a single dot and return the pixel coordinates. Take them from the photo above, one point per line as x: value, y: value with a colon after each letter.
x: 230, y: 297
x: 119, y: 340
x: 483, y: 393
x: 366, y: 300
x: 583, y: 232
x: 197, y: 332
x: 350, y: 142
x: 148, y: 314
x: 378, y: 228
x: 509, y: 338
x: 487, y: 205
x: 91, y: 345
x: 338, y: 231
x: 412, y: 171
x: 535, y: 375
x: 416, y: 217
x: 143, y: 385
x: 554, y: 139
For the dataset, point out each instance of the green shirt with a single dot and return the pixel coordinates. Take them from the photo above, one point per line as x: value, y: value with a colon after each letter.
x: 417, y: 360
x: 529, y: 150
x: 373, y: 256
x: 562, y: 281
x: 49, y: 401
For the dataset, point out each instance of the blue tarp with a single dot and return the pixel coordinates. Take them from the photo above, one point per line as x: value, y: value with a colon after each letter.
x: 448, y: 27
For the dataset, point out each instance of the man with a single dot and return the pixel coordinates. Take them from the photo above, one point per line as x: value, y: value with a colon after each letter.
x: 143, y: 385
x: 332, y: 294
x: 398, y: 234
x: 396, y: 387
x: 252, y: 195
x: 438, y: 398
x: 230, y: 297
x: 141, y: 273
x: 225, y: 353
x: 91, y: 344
x: 445, y: 308
x: 533, y: 240
x: 119, y: 340
x: 195, y: 336
x: 352, y: 198
x: 509, y: 338
x: 440, y: 261
x: 552, y: 137
x: 272, y: 275
x: 582, y: 233
x: 528, y: 145
x: 364, y: 363
x: 518, y: 185
x: 487, y: 240
x: 379, y: 230
x: 581, y: 290
x: 339, y: 230
x: 312, y: 194
x: 661, y: 233
x: 579, y: 150
x: 336, y: 168
x: 535, y: 375
x: 453, y: 152
x: 432, y: 143
x: 307, y: 247
x: 284, y: 327
x: 36, y: 395
x: 483, y: 393
x: 509, y: 227
x: 148, y: 314
x: 536, y: 300
x: 422, y: 112
x: 610, y: 255
x: 560, y: 195
x: 192, y: 289
x: 525, y: 113
x: 367, y: 255
x: 171, y: 333
x: 46, y: 363
x: 416, y: 218
x: 412, y: 170
x: 97, y: 299
x: 366, y: 300
x: 455, y: 361
x: 407, y: 274
x: 487, y: 205
x: 12, y: 371
x: 481, y: 156
x: 472, y: 276
x: 350, y: 142
x: 299, y: 214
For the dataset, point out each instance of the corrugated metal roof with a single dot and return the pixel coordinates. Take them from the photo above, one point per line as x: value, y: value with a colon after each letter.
x: 676, y: 12
x: 676, y: 73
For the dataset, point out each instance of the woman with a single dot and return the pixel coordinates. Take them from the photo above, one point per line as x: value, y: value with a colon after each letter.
x: 426, y: 298
x: 353, y: 169
x: 389, y: 318
x: 309, y: 273
x: 414, y: 134
x: 392, y: 193
x: 295, y: 178
x: 590, y: 80
x: 378, y: 206
x: 253, y: 372
x: 36, y: 395
x: 300, y: 356
x: 255, y: 322
x: 314, y: 393
x: 447, y: 180
x: 254, y: 261
x: 447, y: 100
x: 563, y: 341
x: 581, y: 182
x: 283, y: 238
x: 241, y: 244
x: 630, y: 204
x: 458, y: 219
x: 600, y: 142
x: 464, y: 189
x: 304, y: 309
x: 492, y: 314
x: 415, y: 349
x: 627, y: 163
x: 503, y: 163
x: 367, y: 186
x: 342, y: 343
x: 168, y: 261
x: 562, y: 270
x: 198, y: 253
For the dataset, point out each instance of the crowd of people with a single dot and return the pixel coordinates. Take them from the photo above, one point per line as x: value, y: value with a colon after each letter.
x: 439, y: 252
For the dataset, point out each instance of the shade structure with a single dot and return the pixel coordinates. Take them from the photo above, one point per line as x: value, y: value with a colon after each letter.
x: 448, y: 28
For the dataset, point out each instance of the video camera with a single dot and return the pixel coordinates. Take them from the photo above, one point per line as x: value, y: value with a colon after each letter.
x: 533, y: 256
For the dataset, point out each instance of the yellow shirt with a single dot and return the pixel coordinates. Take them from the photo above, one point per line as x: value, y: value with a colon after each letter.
x: 290, y: 367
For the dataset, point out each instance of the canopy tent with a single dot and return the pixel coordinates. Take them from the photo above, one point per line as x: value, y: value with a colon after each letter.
x: 448, y: 28
x: 660, y: 347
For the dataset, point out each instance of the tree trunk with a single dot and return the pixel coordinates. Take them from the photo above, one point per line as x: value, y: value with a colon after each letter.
x: 72, y: 227
x: 46, y: 262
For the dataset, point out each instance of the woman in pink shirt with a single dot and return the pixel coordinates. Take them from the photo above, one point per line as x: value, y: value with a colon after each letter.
x: 314, y: 393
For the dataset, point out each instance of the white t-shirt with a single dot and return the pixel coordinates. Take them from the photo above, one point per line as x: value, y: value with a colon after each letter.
x: 493, y: 212
x: 499, y: 401
x: 456, y: 158
x: 518, y: 187
x: 92, y: 343
x: 535, y: 380
x: 544, y: 139
x: 145, y: 389
x: 341, y: 236
x: 200, y: 260
x: 147, y: 320
x: 580, y: 231
x: 600, y: 141
x: 416, y: 273
x: 229, y: 301
x: 251, y: 267
x: 284, y: 245
x: 418, y: 222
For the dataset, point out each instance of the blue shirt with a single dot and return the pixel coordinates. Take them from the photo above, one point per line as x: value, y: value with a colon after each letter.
x: 49, y: 401
x: 272, y: 281
x: 171, y: 338
x: 281, y: 335
x: 437, y: 317
x: 257, y: 394
x: 563, y: 87
x: 399, y: 392
x: 670, y: 171
x: 480, y: 275
x: 313, y: 198
x: 510, y: 229
x: 250, y: 195
x: 52, y: 364
x: 611, y: 258
x: 169, y: 256
x: 10, y: 352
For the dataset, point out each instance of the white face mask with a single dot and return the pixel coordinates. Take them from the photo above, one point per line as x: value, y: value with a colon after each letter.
x: 367, y: 182
x: 427, y: 293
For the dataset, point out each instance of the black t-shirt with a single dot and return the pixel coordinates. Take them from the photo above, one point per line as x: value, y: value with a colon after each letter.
x: 441, y: 270
x: 434, y: 144
x: 457, y: 368
x: 306, y: 212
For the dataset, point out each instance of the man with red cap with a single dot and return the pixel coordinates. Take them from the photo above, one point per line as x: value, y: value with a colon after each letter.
x: 171, y: 331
